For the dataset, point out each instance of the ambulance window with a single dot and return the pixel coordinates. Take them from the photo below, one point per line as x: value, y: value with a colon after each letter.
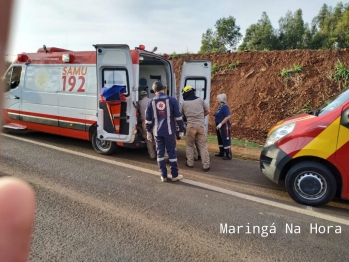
x: 115, y: 77
x: 199, y: 84
x: 13, y: 77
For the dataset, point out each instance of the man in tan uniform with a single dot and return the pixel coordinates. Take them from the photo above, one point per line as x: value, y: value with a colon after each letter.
x: 195, y: 109
x: 143, y: 102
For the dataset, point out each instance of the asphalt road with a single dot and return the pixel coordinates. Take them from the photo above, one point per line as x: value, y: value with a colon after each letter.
x: 115, y: 208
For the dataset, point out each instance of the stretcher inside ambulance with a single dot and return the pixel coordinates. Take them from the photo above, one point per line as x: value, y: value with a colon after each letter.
x: 91, y: 95
x: 310, y: 152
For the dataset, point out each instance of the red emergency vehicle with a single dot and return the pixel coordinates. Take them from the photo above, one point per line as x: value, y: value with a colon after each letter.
x: 63, y: 92
x: 311, y: 152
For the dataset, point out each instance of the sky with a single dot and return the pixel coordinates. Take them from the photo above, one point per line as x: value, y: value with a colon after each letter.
x: 171, y: 26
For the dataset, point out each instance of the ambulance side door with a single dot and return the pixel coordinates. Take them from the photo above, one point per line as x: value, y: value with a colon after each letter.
x: 13, y: 83
x: 197, y: 73
x: 114, y: 67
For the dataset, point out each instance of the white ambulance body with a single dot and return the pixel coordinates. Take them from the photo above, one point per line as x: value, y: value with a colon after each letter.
x: 58, y: 91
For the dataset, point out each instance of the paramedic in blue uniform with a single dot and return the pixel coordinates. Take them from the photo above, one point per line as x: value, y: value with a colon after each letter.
x: 162, y: 114
x: 223, y: 128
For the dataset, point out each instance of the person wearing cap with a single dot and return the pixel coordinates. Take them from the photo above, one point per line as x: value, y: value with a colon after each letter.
x: 143, y: 102
x: 195, y: 109
x: 223, y: 128
x: 161, y: 116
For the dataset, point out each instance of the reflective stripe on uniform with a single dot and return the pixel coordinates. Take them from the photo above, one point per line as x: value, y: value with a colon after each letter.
x: 173, y: 160
x: 168, y: 117
x: 155, y: 127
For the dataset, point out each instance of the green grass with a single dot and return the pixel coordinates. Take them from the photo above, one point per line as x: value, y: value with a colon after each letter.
x: 247, y: 144
x: 214, y: 68
x: 212, y: 139
x: 341, y: 71
x: 306, y: 107
x: 295, y: 69
x: 233, y: 65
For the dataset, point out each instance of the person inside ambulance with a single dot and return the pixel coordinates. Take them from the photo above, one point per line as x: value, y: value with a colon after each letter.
x: 223, y: 126
x: 142, y: 86
x: 161, y: 116
x: 195, y: 109
x: 142, y: 107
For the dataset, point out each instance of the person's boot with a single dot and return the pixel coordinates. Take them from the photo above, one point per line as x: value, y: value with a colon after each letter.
x: 221, y: 152
x: 228, y: 154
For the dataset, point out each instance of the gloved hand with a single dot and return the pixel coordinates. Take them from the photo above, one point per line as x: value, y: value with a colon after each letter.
x: 181, y: 134
x: 219, y: 126
x: 149, y: 136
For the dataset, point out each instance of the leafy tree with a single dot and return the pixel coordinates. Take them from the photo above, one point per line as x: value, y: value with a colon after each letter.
x: 293, y: 33
x: 260, y: 36
x: 226, y: 36
x: 328, y: 30
x: 319, y: 20
x: 228, y: 32
x: 330, y: 27
x: 210, y: 43
x: 318, y: 28
x: 342, y: 30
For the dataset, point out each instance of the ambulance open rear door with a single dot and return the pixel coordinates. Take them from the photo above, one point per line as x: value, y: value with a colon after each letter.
x: 115, y: 72
x: 197, y: 73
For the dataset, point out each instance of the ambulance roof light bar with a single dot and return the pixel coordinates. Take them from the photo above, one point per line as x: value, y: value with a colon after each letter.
x: 22, y: 57
x: 140, y: 47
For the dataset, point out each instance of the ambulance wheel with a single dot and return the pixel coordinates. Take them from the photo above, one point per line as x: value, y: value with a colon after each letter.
x: 103, y: 147
x: 311, y: 183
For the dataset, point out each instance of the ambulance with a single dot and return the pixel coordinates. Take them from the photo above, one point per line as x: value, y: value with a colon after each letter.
x: 62, y: 92
x: 310, y: 152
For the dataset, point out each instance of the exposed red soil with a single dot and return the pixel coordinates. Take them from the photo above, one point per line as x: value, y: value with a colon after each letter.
x: 258, y: 96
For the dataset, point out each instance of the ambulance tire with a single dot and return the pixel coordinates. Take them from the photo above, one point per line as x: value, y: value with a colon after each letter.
x: 311, y: 184
x: 101, y: 146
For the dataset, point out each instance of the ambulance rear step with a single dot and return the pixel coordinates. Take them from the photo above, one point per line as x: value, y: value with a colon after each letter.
x: 14, y: 127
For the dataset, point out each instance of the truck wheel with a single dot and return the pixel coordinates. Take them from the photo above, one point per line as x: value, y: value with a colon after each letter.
x: 103, y: 147
x: 310, y: 183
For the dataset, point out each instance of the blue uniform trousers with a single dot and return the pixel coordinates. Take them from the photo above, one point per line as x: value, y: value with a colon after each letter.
x: 168, y: 142
x: 224, y: 140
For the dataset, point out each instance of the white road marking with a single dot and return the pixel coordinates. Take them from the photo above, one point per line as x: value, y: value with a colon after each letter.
x: 303, y: 211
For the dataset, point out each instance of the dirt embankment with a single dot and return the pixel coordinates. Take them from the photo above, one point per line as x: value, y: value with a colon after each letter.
x: 258, y: 96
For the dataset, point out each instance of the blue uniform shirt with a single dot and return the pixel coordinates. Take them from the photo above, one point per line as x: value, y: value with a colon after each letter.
x: 162, y: 114
x: 221, y: 113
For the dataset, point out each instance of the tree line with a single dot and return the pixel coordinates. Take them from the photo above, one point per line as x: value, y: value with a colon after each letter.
x: 328, y: 30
